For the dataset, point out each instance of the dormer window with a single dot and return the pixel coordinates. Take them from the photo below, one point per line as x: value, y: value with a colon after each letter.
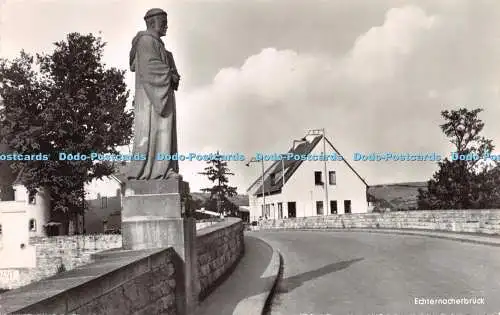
x: 272, y: 178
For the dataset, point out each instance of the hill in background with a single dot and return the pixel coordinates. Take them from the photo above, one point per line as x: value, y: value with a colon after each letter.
x: 398, y: 196
x: 239, y: 200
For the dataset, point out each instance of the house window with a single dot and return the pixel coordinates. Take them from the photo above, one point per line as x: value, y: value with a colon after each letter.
x: 292, y: 209
x: 0, y: 229
x: 32, y: 225
x: 262, y: 211
x: 280, y: 210
x: 347, y: 206
x: 31, y: 199
x: 104, y: 202
x: 317, y: 178
x: 272, y: 178
x: 332, y: 178
x: 319, y: 207
x: 333, y: 206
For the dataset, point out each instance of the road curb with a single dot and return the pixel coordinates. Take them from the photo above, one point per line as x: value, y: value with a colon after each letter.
x: 261, y: 303
x: 444, y: 235
x: 279, y: 276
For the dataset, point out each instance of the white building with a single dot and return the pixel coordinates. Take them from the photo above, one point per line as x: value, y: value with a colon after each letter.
x: 21, y: 219
x: 295, y: 188
x: 32, y: 213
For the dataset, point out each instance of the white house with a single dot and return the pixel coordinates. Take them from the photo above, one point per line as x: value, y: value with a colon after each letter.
x: 296, y: 188
x: 21, y: 219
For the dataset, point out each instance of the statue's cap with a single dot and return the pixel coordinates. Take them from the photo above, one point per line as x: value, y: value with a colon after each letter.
x: 154, y: 12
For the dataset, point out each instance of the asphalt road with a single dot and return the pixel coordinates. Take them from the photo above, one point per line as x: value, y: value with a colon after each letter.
x: 368, y: 273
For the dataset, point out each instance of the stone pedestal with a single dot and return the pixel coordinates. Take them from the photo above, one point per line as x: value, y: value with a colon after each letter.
x: 152, y: 213
x: 152, y: 217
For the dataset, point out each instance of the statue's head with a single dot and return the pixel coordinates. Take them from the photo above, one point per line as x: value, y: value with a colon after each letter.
x: 156, y: 20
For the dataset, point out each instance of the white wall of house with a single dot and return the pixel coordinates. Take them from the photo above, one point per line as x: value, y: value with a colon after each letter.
x: 15, y: 252
x: 302, y: 190
x: 36, y: 210
x: 20, y: 193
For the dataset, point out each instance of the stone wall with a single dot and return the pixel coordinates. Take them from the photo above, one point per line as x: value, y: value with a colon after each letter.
x: 69, y: 251
x: 131, y: 282
x: 467, y: 221
x: 116, y: 283
x: 219, y: 248
x: 149, y: 288
x: 54, y: 254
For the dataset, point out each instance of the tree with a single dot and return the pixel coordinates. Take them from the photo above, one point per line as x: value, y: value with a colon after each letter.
x: 66, y: 101
x: 218, y: 172
x: 471, y: 181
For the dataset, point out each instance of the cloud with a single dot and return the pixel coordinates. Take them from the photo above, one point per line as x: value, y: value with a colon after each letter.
x: 377, y: 54
x: 382, y: 95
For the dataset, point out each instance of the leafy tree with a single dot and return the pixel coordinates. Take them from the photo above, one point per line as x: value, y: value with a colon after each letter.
x: 218, y: 172
x: 471, y: 183
x: 66, y: 101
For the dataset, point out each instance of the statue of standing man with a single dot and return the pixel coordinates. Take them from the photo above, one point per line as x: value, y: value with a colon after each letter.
x: 156, y: 79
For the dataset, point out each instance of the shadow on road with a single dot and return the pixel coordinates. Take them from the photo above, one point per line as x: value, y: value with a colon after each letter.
x: 292, y: 283
x: 246, y: 281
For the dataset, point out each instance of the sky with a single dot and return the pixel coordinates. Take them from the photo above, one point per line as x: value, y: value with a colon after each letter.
x: 257, y: 74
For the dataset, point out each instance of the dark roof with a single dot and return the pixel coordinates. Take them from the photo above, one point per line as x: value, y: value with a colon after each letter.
x: 290, y: 166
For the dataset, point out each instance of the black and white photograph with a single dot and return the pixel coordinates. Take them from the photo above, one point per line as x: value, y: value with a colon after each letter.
x: 241, y: 157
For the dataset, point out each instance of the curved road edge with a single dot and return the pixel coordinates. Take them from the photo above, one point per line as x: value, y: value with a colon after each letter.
x: 279, y: 276
x: 274, y: 272
x: 491, y: 240
x: 261, y: 303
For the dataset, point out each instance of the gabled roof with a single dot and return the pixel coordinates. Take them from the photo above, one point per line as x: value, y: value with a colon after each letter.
x: 290, y: 167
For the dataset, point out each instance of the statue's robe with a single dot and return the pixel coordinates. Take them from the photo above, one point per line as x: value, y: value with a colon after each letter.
x: 154, y: 107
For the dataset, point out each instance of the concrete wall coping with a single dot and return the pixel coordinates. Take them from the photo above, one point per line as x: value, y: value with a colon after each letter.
x: 62, y: 286
x: 218, y: 226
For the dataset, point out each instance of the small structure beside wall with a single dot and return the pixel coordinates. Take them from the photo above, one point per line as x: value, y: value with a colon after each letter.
x: 21, y: 220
